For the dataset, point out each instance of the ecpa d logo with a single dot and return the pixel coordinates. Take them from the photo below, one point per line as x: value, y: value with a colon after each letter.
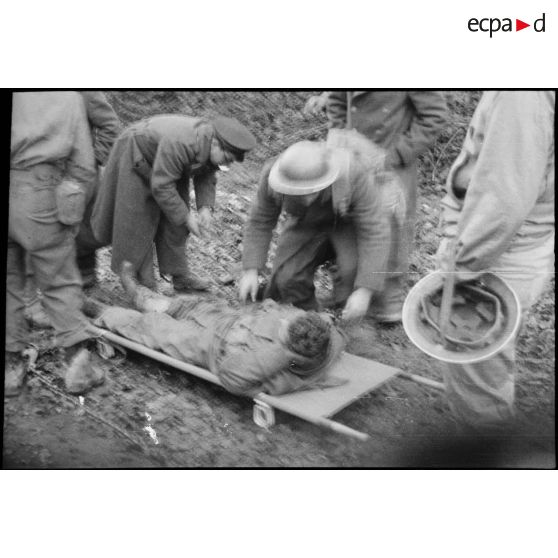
x: 492, y: 25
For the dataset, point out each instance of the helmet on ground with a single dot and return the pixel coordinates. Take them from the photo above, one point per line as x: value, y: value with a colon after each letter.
x: 485, y: 315
x: 303, y: 168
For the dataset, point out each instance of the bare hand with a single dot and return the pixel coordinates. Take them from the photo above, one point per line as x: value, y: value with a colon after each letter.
x: 205, y: 219
x: 315, y: 104
x: 192, y: 224
x: 248, y: 285
x: 445, y: 262
x: 357, y: 304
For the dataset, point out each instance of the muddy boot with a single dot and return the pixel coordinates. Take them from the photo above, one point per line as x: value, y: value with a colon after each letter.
x: 82, y: 374
x: 92, y: 308
x: 146, y: 276
x: 15, y: 372
x: 143, y: 298
x: 187, y: 282
x: 36, y: 316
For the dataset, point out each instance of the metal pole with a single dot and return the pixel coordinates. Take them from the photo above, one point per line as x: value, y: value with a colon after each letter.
x: 320, y: 421
x: 156, y: 355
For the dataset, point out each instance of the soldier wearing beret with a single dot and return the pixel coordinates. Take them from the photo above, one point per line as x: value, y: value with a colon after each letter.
x: 144, y: 194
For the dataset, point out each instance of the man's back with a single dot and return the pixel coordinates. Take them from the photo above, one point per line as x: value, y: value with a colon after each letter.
x: 51, y: 127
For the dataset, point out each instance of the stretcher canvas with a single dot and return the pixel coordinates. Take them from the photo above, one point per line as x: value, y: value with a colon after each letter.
x: 363, y: 375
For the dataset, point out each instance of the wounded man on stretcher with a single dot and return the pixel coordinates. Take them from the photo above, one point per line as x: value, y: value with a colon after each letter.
x: 268, y: 347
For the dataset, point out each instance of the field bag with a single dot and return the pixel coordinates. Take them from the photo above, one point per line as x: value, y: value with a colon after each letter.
x: 70, y: 202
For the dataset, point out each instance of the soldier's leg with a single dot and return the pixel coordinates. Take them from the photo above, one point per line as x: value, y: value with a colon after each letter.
x: 344, y: 243
x: 170, y: 243
x: 50, y: 245
x: 143, y: 298
x: 300, y: 250
x: 400, y: 205
x: 481, y: 395
x: 16, y: 325
x: 34, y: 311
x: 59, y: 279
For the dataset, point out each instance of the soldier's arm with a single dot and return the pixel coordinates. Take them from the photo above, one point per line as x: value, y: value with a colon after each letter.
x: 372, y: 228
x: 336, y: 109
x: 105, y: 123
x: 80, y: 165
x: 507, y: 179
x: 429, y: 120
x: 262, y: 219
x: 171, y: 160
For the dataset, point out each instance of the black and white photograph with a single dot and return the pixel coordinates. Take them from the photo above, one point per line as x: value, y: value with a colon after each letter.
x: 280, y: 279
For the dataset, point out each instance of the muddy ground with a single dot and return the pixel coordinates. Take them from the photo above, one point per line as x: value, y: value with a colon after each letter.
x: 149, y: 415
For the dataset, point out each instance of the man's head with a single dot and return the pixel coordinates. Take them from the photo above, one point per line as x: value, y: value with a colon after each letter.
x: 303, y: 170
x: 231, y: 141
x: 308, y: 334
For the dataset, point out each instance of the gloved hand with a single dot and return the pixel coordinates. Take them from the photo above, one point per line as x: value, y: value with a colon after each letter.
x: 248, y: 285
x: 357, y: 304
x: 315, y: 104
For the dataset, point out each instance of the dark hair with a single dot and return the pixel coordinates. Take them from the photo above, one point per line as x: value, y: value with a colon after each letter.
x: 309, y: 335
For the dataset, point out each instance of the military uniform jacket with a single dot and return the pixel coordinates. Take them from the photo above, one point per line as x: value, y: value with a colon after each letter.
x: 103, y: 122
x: 243, y: 348
x: 51, y: 128
x: 501, y: 186
x: 148, y: 173
x: 406, y: 123
x: 357, y: 195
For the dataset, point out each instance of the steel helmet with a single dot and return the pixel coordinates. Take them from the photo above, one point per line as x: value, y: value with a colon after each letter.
x: 485, y: 314
x: 305, y: 167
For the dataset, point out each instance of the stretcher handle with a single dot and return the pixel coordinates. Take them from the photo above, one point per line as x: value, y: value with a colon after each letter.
x: 447, y: 295
x: 319, y: 421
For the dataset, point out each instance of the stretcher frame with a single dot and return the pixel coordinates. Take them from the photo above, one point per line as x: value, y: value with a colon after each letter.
x: 298, y: 404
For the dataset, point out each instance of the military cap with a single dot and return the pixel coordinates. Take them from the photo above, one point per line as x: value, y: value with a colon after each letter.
x: 235, y: 137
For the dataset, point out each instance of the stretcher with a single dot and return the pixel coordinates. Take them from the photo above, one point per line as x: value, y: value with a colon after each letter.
x: 316, y: 406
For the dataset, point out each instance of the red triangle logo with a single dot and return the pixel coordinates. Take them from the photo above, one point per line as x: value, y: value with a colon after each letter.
x: 519, y: 25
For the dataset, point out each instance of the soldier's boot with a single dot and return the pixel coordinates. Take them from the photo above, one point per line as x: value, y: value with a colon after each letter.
x: 87, y: 268
x: 188, y: 281
x: 35, y: 314
x: 83, y: 373
x: 143, y: 298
